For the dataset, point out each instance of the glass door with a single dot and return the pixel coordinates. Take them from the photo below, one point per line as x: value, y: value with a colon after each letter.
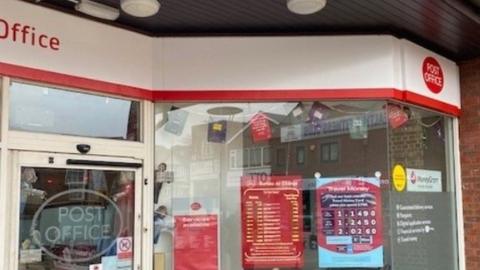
x: 76, y: 212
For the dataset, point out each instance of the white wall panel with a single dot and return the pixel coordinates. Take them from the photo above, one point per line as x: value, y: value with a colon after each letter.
x: 278, y: 63
x: 87, y: 48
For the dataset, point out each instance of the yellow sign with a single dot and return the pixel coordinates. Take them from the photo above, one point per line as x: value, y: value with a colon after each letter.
x: 399, y: 177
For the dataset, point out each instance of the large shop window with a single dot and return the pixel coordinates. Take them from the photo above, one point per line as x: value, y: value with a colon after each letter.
x: 303, y: 185
x: 51, y: 110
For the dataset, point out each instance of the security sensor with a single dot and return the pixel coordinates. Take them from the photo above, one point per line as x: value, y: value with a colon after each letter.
x: 83, y: 148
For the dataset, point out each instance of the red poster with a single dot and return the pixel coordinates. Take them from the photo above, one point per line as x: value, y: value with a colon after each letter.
x: 196, y: 242
x: 272, y: 222
x: 396, y: 116
x: 260, y: 128
x: 349, y: 222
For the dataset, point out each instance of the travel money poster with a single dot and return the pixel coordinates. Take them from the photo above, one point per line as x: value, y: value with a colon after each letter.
x: 349, y: 222
x: 272, y: 222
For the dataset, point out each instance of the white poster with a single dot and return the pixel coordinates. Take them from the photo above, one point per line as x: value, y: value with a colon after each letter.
x: 95, y: 267
x: 30, y: 256
x: 424, y: 180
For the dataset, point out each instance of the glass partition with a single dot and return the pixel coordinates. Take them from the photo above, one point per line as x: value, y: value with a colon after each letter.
x: 302, y: 185
x: 51, y: 110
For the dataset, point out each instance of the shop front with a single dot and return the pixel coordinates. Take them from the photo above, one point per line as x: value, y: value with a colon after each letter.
x: 224, y: 153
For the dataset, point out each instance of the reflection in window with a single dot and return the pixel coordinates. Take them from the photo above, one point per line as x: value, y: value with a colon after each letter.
x: 255, y: 157
x: 329, y: 152
x: 281, y: 156
x: 300, y: 155
x: 266, y: 156
x: 50, y: 110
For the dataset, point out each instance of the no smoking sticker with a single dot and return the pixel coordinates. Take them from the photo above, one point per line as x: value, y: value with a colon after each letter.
x: 124, y: 248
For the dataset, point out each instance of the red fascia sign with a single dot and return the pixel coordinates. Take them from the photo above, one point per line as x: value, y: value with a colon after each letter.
x: 433, y: 74
x: 26, y: 34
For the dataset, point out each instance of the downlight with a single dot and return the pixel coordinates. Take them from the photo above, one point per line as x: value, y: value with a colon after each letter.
x: 97, y: 10
x: 140, y: 8
x: 305, y: 7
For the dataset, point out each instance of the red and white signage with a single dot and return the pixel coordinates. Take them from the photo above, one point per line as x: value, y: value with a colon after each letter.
x: 196, y: 242
x: 260, y: 128
x: 397, y: 117
x: 36, y: 45
x: 28, y: 35
x: 433, y: 74
x: 272, y: 222
x: 124, y: 248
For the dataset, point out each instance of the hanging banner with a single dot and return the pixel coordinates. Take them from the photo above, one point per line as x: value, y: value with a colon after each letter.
x: 196, y: 242
x: 397, y: 117
x: 217, y: 131
x: 349, y: 222
x: 272, y: 222
x: 260, y: 128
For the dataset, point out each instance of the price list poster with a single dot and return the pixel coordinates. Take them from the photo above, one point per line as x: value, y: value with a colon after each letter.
x: 272, y: 222
x: 349, y: 222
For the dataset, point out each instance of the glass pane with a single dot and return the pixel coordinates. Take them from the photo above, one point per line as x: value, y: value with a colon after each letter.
x: 312, y: 189
x: 334, y: 151
x: 300, y: 155
x: 50, y: 110
x: 76, y: 219
x: 423, y: 202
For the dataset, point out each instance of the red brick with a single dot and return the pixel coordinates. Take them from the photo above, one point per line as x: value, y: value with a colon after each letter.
x: 470, y: 158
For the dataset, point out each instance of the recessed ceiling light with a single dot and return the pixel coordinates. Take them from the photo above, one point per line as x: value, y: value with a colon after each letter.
x: 305, y: 7
x: 140, y: 8
x: 97, y: 10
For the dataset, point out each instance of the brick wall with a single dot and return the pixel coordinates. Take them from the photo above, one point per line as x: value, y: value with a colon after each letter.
x: 470, y: 158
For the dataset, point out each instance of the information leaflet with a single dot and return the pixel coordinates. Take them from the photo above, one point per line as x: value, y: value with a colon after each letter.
x: 349, y: 222
x: 196, y: 242
x: 272, y: 222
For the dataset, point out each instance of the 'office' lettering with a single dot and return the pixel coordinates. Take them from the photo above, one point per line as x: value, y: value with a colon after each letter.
x: 26, y: 34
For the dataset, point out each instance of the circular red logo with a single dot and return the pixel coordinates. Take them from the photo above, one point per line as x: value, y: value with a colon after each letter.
x: 195, y: 206
x: 433, y: 75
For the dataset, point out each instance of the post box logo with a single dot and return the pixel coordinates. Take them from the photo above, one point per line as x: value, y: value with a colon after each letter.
x: 73, y: 232
x: 433, y: 75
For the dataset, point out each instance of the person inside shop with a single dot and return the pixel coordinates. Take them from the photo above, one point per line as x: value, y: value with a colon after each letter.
x: 162, y: 222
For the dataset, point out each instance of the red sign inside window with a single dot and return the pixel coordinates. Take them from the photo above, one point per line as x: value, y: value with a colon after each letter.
x: 196, y: 242
x: 260, y: 127
x: 433, y: 75
x: 272, y: 222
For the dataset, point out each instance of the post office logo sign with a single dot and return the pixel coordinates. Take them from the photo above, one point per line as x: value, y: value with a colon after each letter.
x: 74, y: 232
x: 433, y: 75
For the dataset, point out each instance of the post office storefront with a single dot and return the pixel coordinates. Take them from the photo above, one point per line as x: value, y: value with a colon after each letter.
x: 336, y: 152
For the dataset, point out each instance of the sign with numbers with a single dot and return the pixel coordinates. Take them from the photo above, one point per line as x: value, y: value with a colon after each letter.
x: 349, y: 222
x: 272, y: 222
